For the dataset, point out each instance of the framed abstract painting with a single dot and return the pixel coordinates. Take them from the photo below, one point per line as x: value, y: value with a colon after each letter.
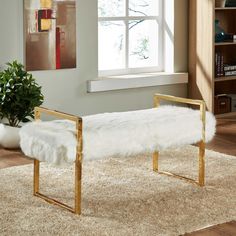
x: 50, y: 34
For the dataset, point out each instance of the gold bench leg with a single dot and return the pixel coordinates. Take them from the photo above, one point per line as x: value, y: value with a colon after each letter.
x: 78, y: 174
x: 201, y: 175
x: 155, y: 161
x: 36, y: 177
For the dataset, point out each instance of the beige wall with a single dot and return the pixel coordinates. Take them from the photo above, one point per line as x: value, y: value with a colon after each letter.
x: 181, y: 35
x: 66, y: 89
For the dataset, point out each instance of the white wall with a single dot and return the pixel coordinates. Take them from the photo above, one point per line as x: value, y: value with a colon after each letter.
x: 66, y: 90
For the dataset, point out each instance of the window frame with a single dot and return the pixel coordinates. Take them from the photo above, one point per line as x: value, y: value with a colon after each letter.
x: 126, y: 19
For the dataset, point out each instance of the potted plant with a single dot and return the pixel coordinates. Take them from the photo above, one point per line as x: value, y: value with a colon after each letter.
x: 19, y: 94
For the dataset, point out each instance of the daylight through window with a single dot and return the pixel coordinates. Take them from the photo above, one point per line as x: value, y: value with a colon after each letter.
x: 130, y: 36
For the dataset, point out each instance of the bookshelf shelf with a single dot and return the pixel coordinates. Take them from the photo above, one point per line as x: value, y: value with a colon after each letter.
x: 205, y: 54
x: 225, y: 44
x: 226, y: 115
x: 225, y: 78
x: 225, y: 8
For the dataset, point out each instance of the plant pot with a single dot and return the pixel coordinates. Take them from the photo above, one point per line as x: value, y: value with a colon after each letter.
x: 220, y: 3
x: 9, y: 136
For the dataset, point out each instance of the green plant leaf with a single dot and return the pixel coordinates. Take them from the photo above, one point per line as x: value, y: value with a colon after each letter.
x: 19, y: 94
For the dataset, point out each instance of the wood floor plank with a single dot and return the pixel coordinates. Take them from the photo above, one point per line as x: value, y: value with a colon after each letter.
x: 226, y: 229
x: 9, y: 158
x: 225, y: 138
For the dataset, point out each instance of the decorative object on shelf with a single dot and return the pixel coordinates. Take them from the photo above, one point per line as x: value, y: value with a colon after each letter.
x: 219, y: 32
x: 50, y: 34
x: 233, y: 102
x: 230, y: 37
x: 220, y: 3
x: 19, y: 95
x: 230, y: 3
x: 222, y: 104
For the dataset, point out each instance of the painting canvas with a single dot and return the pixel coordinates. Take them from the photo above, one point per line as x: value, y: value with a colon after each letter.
x: 50, y: 34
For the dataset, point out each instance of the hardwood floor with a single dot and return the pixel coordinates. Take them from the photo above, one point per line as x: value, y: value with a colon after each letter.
x: 224, y: 141
x: 227, y: 229
x: 10, y: 158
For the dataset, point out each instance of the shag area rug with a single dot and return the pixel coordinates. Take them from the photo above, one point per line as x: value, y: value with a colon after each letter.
x: 122, y: 196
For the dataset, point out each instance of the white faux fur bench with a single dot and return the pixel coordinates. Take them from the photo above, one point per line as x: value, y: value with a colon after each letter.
x: 115, y: 134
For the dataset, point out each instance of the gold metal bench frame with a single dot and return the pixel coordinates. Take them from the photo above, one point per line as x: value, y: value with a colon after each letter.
x: 201, y: 171
x: 79, y: 152
x: 78, y: 161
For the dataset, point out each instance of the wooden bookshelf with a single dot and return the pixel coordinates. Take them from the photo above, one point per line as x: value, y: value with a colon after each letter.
x: 225, y: 43
x: 225, y: 78
x: 226, y: 115
x: 203, y: 84
x: 225, y: 8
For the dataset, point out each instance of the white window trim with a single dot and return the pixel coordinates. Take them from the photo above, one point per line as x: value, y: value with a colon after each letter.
x: 127, y: 70
x: 136, y: 81
x: 168, y: 34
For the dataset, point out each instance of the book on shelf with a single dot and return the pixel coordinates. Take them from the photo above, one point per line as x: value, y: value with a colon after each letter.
x: 219, y: 65
x: 229, y: 67
x: 230, y: 73
x: 230, y: 70
x: 222, y: 69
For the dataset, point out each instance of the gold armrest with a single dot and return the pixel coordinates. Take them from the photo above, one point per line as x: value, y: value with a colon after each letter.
x: 158, y: 97
x: 78, y: 120
x: 39, y: 110
x: 201, y: 103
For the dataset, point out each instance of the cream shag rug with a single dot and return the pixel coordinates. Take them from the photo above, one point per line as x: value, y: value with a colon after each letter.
x: 122, y: 197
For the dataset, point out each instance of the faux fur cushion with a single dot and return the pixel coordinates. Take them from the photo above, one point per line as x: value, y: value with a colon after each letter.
x: 115, y: 134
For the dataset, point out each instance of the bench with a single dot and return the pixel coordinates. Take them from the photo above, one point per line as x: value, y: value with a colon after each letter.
x: 75, y: 139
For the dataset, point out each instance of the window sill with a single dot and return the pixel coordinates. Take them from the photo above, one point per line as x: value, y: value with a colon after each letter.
x: 135, y: 81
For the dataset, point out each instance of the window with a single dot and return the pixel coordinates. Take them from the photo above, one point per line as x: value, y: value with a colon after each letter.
x: 129, y: 36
